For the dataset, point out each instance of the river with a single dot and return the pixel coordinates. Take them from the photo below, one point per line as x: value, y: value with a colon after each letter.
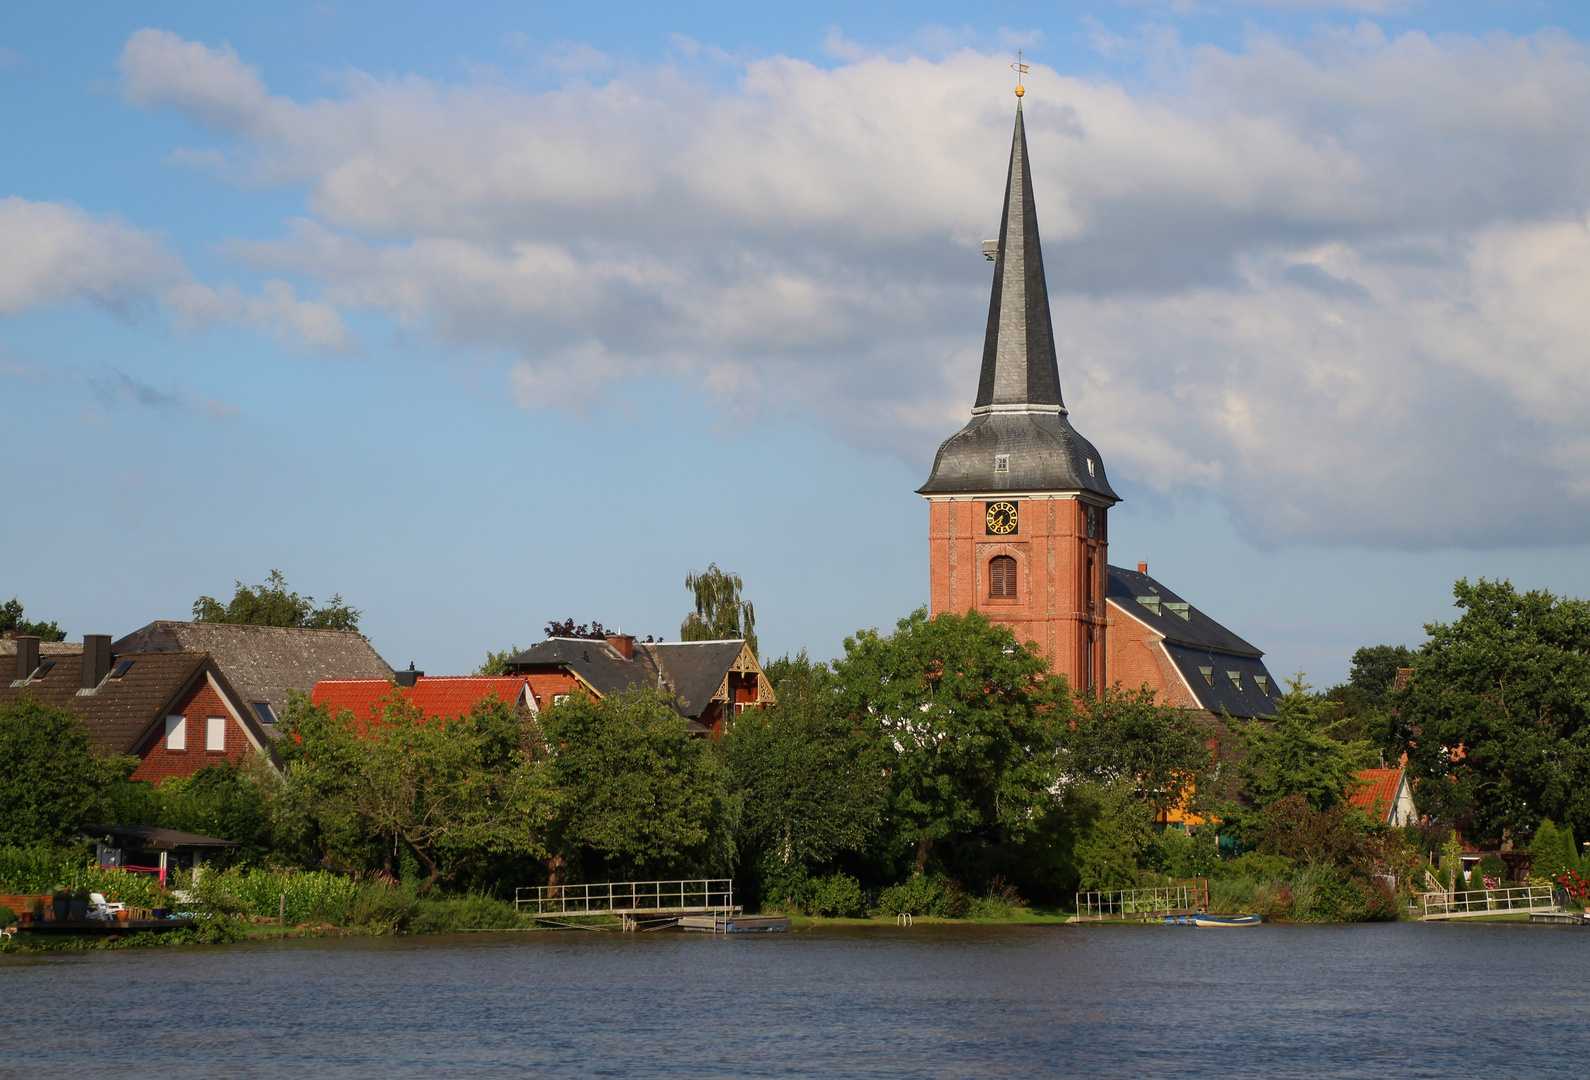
x: 1404, y: 1000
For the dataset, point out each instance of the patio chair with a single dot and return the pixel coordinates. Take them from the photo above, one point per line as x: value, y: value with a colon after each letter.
x: 100, y: 908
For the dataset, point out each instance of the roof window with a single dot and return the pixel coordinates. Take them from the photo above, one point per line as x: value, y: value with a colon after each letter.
x: 1090, y: 468
x: 1208, y: 673
x: 42, y: 670
x: 1001, y: 462
x: 262, y: 709
x: 1263, y: 682
x: 1236, y: 678
x: 122, y: 669
x: 1179, y: 609
x: 1150, y: 602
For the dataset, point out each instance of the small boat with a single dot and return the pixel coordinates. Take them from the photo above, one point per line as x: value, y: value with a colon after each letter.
x: 1225, y: 920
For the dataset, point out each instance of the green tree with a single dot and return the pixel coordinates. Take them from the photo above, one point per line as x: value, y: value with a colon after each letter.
x: 11, y: 619
x: 1496, y: 718
x: 1299, y: 753
x: 1159, y: 752
x: 973, y: 720
x: 271, y: 604
x: 497, y: 662
x: 720, y: 613
x: 1374, y: 671
x: 228, y: 801
x: 813, y: 783
x: 456, y: 791
x: 51, y: 781
x: 629, y: 786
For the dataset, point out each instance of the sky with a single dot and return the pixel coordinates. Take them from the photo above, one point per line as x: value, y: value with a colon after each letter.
x: 494, y: 314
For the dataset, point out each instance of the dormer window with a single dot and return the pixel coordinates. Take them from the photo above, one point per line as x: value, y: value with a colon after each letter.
x: 1090, y: 468
x: 1179, y: 609
x: 1150, y: 602
x: 1208, y: 673
x: 1263, y: 682
x: 1002, y: 578
x: 1236, y: 679
x: 1001, y: 463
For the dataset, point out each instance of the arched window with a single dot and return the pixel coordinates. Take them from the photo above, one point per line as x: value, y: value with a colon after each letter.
x: 1002, y: 577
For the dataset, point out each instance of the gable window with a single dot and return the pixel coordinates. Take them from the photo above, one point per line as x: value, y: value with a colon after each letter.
x: 176, y: 733
x: 1001, y: 462
x: 1002, y: 577
x: 215, y: 733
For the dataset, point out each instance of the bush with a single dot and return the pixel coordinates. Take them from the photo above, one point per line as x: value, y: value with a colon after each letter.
x: 1259, y: 867
x: 1186, y: 855
x: 381, y: 909
x: 939, y: 897
x: 1494, y: 868
x: 835, y: 896
x: 41, y: 869
x: 7, y: 916
x: 472, y: 911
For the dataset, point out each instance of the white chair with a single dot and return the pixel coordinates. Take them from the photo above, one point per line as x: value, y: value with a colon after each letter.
x: 100, y: 908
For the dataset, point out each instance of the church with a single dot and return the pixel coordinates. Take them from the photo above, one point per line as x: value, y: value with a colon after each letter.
x: 1018, y: 514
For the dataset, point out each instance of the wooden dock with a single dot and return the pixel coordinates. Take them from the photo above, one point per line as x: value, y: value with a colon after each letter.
x: 1478, y: 903
x: 735, y: 924
x: 1187, y: 896
x: 1561, y: 918
x: 103, y: 926
x: 639, y: 905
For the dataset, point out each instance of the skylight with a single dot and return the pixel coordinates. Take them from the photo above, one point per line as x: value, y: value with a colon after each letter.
x: 122, y: 669
x: 263, y: 710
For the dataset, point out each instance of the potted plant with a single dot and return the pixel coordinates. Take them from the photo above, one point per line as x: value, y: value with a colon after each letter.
x: 61, y: 904
x: 79, y: 905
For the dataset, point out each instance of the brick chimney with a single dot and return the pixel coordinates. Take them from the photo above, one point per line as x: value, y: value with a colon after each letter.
x: 27, y: 655
x: 96, y: 659
x: 624, y: 643
x: 1142, y: 568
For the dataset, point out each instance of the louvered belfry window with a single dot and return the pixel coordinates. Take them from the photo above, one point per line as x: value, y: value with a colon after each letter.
x: 1002, y: 577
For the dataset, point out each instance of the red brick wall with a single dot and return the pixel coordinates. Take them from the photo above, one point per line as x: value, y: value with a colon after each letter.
x: 546, y: 687
x: 198, y: 705
x: 1052, y: 550
x: 1136, y: 659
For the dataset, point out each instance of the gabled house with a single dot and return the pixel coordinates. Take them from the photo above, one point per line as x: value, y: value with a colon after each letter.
x: 1385, y: 795
x: 175, y: 711
x: 264, y: 662
x: 443, y: 695
x: 706, y: 681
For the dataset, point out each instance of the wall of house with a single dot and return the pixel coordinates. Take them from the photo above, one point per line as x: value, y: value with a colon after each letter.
x: 1054, y: 605
x: 198, y: 705
x: 1135, y: 658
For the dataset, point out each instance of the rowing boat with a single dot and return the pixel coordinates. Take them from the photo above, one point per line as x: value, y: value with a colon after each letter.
x: 1225, y: 920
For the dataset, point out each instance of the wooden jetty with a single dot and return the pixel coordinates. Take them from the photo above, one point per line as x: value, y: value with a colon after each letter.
x: 1478, y: 903
x: 639, y: 905
x: 1186, y: 896
x: 1561, y: 918
x: 734, y: 924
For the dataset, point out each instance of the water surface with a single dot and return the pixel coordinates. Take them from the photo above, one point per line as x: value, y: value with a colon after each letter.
x: 1410, y: 1000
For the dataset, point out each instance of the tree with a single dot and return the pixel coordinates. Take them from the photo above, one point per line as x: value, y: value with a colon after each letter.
x: 629, y: 786
x: 567, y: 629
x: 453, y: 790
x: 1496, y: 717
x: 271, y: 604
x: 497, y: 662
x: 813, y: 783
x: 972, y: 721
x: 1336, y: 835
x: 1374, y: 671
x: 51, y: 781
x: 720, y: 613
x: 1158, y: 751
x: 11, y: 619
x: 1299, y: 753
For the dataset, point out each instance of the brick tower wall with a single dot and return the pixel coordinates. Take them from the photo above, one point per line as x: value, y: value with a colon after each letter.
x: 1054, y: 605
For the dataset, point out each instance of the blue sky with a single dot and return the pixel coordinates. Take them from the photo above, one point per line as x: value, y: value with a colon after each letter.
x: 520, y: 312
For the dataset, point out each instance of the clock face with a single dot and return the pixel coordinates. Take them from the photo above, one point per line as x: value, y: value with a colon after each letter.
x: 1001, y: 518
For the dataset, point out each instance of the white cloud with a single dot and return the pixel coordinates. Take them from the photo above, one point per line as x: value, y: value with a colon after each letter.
x: 55, y: 251
x: 1336, y: 282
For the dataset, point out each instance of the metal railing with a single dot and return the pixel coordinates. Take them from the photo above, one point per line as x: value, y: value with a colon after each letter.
x: 703, y: 895
x: 1472, y: 903
x: 1181, y: 896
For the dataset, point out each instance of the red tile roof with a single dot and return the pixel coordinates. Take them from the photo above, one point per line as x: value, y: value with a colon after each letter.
x: 1377, y: 791
x: 440, y: 695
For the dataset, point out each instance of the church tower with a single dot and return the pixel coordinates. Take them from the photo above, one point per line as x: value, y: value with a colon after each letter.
x: 1018, y: 500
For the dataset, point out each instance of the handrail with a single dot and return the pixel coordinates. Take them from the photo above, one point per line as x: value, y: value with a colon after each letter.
x: 1468, y: 903
x: 1189, y: 894
x: 626, y: 897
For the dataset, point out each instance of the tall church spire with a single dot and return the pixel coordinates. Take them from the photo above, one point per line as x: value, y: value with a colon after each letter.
x: 1020, y: 373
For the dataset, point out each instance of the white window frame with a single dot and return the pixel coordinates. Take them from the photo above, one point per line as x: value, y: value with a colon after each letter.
x: 215, y: 732
x: 176, y: 732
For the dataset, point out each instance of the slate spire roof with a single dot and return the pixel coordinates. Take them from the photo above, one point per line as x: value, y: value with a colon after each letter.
x: 1019, y: 416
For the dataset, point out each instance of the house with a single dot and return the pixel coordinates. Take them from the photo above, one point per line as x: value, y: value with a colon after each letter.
x: 1386, y: 796
x: 1160, y: 640
x: 149, y: 848
x: 445, y: 695
x: 706, y: 681
x: 264, y: 662
x: 175, y: 711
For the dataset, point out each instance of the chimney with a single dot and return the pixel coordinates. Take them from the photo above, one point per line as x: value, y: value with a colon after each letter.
x: 27, y: 655
x: 409, y: 677
x: 624, y: 643
x: 1142, y: 568
x: 96, y: 659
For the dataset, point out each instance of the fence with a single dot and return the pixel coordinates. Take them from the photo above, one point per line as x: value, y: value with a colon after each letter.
x: 703, y: 895
x: 1189, y: 895
x: 1476, y: 902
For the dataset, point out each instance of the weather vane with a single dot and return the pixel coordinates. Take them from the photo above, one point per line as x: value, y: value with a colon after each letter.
x: 1020, y: 69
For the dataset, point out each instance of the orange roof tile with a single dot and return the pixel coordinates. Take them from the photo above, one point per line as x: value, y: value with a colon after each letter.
x: 1377, y: 791
x: 440, y: 695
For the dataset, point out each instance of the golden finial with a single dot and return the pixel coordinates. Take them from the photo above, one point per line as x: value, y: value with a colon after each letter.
x: 1020, y: 69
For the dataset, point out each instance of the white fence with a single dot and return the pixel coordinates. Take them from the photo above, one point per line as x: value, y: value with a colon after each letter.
x: 1473, y: 903
x: 1183, y: 896
x: 700, y: 896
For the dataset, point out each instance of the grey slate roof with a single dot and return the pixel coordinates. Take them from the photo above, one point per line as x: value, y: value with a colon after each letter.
x: 1019, y: 411
x: 1197, y: 642
x: 690, y: 671
x: 152, y: 836
x: 264, y: 662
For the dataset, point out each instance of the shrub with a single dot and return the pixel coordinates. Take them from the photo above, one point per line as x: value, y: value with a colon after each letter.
x: 1186, y: 855
x: 381, y: 909
x: 940, y: 897
x: 1494, y: 868
x: 1001, y: 902
x: 472, y: 911
x: 7, y: 916
x: 834, y: 896
x: 1259, y: 867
